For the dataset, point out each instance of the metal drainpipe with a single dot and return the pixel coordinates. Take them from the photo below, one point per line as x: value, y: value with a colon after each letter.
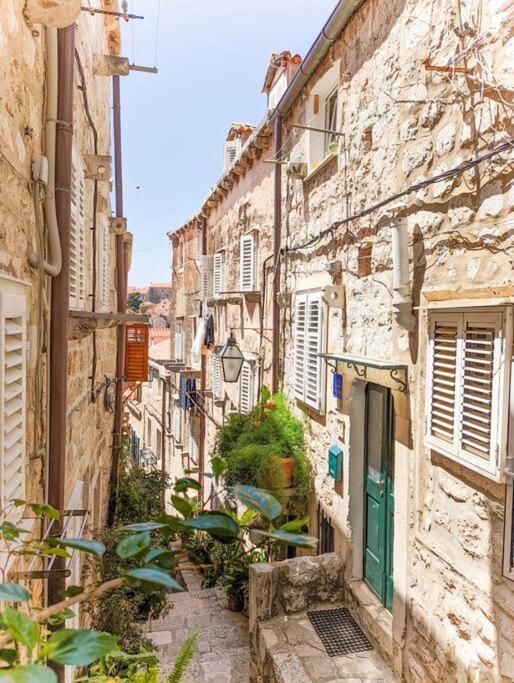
x: 203, y: 383
x: 277, y: 233
x: 121, y: 282
x: 163, y: 435
x: 59, y: 311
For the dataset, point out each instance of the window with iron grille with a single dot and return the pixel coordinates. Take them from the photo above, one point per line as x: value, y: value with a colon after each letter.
x: 325, y: 533
x: 467, y: 386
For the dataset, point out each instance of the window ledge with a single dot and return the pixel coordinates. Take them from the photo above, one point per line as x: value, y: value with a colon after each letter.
x: 323, y: 164
x: 251, y: 296
x: 83, y: 323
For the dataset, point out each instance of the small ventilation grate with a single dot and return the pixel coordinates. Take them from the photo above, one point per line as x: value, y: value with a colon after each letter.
x: 339, y: 632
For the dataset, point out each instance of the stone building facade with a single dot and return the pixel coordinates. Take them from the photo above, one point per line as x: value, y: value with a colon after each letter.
x: 396, y: 326
x: 25, y: 291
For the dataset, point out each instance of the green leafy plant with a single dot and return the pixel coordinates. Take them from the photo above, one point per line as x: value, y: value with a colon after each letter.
x: 183, y: 658
x: 252, y: 447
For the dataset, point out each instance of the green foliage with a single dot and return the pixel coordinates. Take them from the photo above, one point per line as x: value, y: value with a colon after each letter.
x: 183, y: 658
x: 252, y: 447
x: 134, y: 301
x: 140, y: 495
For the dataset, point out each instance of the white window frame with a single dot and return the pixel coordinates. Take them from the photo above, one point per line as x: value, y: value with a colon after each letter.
x: 177, y: 423
x: 194, y: 442
x: 502, y: 318
x: 13, y: 317
x: 231, y: 151
x: 179, y: 339
x: 218, y: 277
x: 312, y: 396
x: 247, y: 273
x: 77, y: 232
x: 247, y: 378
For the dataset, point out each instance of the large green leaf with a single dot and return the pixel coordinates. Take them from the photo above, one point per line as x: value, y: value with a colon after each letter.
x: 289, y: 538
x: 214, y: 524
x: 132, y: 545
x: 161, y: 557
x: 13, y: 592
x: 171, y: 522
x: 295, y: 525
x: 154, y: 575
x: 258, y: 499
x: 31, y: 673
x: 182, y: 505
x: 22, y: 628
x: 143, y: 526
x: 185, y: 483
x: 44, y: 510
x: 83, y: 544
x: 78, y: 648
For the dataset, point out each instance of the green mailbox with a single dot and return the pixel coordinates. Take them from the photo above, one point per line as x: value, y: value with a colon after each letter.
x: 335, y: 462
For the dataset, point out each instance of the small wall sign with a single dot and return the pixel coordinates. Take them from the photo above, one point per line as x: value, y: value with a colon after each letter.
x: 337, y: 386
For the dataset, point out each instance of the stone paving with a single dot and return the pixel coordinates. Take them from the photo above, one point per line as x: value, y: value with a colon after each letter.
x: 222, y: 654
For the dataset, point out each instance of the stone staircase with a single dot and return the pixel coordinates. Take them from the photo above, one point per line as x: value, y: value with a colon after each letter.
x: 222, y: 654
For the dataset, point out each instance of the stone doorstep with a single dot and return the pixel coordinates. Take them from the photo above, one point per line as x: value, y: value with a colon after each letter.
x: 373, y: 618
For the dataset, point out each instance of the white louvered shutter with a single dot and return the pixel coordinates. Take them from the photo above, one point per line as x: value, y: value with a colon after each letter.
x: 193, y: 440
x: 218, y: 274
x: 77, y: 233
x: 104, y: 263
x: 12, y: 399
x: 246, y: 389
x: 179, y: 340
x: 299, y: 345
x: 247, y: 263
x: 217, y: 390
x: 444, y: 349
x: 481, y: 360
x: 207, y: 277
x: 466, y: 368
x: 177, y: 423
x: 308, y: 368
x: 232, y: 149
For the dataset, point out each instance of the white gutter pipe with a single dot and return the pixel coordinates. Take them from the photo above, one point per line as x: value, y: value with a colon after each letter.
x: 52, y: 267
x: 402, y: 292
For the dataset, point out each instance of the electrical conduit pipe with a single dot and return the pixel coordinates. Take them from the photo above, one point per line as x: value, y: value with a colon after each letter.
x: 402, y: 292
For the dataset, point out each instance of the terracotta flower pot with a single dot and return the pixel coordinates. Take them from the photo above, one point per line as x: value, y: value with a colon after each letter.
x: 287, y: 468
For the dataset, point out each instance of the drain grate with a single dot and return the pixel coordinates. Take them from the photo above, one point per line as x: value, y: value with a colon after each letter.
x: 339, y: 632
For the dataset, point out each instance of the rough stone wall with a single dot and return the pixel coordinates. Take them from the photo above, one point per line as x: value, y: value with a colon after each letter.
x: 22, y: 89
x: 452, y: 613
x: 247, y: 207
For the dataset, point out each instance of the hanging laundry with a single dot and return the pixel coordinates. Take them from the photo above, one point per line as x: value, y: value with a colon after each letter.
x: 196, y: 350
x: 209, y: 331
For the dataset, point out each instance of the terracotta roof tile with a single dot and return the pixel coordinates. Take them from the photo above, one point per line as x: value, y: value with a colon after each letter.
x: 277, y: 60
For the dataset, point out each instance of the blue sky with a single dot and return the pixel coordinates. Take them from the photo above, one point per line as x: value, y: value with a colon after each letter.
x: 212, y: 58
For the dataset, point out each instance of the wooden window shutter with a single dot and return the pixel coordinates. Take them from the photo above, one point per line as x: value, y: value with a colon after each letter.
x: 217, y: 386
x: 247, y: 263
x: 136, y: 353
x: 179, y: 340
x: 12, y: 399
x: 218, y: 274
x: 444, y: 351
x: 177, y: 423
x: 207, y: 277
x: 467, y: 374
x: 479, y: 399
x: 300, y: 321
x: 246, y: 389
x: 77, y: 233
x: 308, y: 368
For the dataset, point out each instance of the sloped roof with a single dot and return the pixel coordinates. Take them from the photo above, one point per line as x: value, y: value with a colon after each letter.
x: 240, y: 130
x: 276, y: 61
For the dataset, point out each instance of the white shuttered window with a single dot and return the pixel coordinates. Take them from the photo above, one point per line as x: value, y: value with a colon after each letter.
x: 77, y: 233
x: 177, y: 423
x: 218, y: 274
x: 194, y: 439
x: 207, y: 277
x: 466, y: 380
x: 217, y: 385
x: 104, y: 264
x: 12, y: 398
x: 308, y: 344
x: 246, y: 396
x: 179, y: 340
x: 247, y: 263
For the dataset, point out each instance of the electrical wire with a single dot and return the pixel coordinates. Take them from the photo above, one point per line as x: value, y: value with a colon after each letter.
x: 450, y: 173
x: 157, y: 31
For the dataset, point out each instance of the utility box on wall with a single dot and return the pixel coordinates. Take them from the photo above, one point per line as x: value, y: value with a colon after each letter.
x: 335, y: 462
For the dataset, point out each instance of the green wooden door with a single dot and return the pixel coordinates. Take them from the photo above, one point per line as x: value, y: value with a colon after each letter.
x: 379, y: 493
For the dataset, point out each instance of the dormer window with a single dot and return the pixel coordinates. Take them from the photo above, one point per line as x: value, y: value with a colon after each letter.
x: 322, y: 112
x: 277, y: 91
x: 232, y: 150
x: 280, y: 73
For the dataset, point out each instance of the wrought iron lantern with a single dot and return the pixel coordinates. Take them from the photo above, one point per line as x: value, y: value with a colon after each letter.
x: 231, y: 360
